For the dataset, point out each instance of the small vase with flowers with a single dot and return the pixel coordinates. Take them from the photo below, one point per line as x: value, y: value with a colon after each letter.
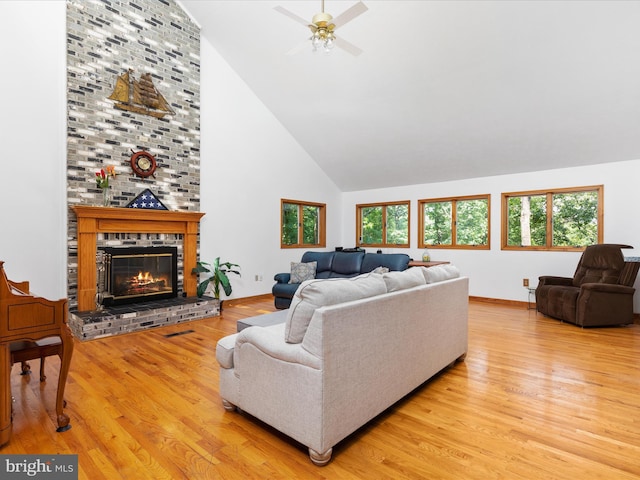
x: 102, y: 180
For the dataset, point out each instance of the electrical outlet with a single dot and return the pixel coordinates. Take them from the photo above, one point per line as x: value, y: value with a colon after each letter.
x: 525, y: 282
x: 258, y: 278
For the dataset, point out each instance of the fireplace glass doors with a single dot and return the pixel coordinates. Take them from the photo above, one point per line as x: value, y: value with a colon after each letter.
x: 138, y: 274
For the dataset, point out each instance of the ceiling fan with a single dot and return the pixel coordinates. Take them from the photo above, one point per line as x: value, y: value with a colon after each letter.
x: 322, y: 28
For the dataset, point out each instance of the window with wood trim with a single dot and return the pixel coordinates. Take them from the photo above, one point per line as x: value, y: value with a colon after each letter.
x: 383, y: 224
x: 455, y: 222
x: 564, y: 219
x: 302, y: 224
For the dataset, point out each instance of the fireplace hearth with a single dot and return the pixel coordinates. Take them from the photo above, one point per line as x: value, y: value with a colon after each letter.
x: 129, y: 275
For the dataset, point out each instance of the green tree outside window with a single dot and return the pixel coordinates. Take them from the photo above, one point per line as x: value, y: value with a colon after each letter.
x: 383, y: 224
x: 438, y: 223
x: 302, y: 224
x: 371, y: 225
x: 562, y: 219
x: 461, y: 222
x: 472, y: 226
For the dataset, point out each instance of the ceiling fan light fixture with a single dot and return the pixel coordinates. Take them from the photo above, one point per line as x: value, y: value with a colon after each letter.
x: 322, y: 39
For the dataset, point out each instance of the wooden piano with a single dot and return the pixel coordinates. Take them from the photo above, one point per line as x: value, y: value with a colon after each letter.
x: 27, y: 318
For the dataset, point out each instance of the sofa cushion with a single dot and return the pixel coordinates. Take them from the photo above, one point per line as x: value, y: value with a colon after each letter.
x: 562, y: 302
x: 411, y: 277
x: 301, y: 272
x: 599, y: 264
x: 324, y: 259
x: 346, y: 264
x: 313, y: 294
x: 392, y: 261
x: 440, y: 273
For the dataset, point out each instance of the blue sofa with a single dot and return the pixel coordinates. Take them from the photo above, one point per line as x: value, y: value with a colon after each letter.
x: 337, y: 265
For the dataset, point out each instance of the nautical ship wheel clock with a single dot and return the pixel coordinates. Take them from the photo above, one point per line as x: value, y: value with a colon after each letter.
x: 143, y: 164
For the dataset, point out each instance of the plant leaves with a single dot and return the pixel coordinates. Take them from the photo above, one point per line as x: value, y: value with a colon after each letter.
x: 202, y: 287
x: 201, y: 267
x: 224, y: 281
x: 218, y: 278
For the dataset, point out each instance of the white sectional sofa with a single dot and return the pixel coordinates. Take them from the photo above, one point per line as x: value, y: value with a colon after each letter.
x: 347, y: 349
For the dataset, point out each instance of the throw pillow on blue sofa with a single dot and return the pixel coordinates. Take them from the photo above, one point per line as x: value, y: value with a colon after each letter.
x: 301, y: 272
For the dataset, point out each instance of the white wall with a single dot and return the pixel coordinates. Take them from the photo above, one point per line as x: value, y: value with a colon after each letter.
x: 33, y: 126
x: 248, y: 163
x: 496, y: 273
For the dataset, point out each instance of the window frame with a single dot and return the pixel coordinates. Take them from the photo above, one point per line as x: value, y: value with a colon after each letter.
x: 549, y: 193
x: 384, y: 206
x: 322, y: 221
x: 454, y: 211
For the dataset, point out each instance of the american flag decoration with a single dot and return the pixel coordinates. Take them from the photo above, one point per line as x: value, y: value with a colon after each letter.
x: 147, y: 200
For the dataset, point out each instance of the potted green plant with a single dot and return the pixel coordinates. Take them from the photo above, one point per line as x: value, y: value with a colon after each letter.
x: 219, y: 271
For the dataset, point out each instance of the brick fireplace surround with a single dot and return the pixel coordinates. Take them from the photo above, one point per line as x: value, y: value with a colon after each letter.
x: 104, y: 40
x: 86, y: 323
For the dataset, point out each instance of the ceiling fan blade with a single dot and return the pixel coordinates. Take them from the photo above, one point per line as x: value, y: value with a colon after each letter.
x: 291, y: 15
x: 351, y: 13
x: 349, y: 47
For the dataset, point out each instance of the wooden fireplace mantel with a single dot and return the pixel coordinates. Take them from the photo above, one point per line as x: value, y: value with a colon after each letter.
x: 94, y: 220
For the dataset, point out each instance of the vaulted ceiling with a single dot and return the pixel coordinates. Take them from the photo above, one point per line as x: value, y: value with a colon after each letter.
x: 443, y: 90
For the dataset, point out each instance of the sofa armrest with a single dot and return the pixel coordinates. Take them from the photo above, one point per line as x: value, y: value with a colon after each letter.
x: 224, y: 350
x: 601, y: 304
x: 270, y: 341
x: 282, y: 277
x: 551, y: 280
x: 608, y: 288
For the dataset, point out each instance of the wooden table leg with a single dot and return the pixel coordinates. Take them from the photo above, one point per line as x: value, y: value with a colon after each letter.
x: 5, y: 394
x: 65, y: 361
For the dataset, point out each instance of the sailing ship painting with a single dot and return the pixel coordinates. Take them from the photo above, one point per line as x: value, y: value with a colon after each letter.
x: 140, y: 96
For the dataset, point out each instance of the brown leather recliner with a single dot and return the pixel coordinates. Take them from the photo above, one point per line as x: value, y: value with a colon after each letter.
x: 599, y: 294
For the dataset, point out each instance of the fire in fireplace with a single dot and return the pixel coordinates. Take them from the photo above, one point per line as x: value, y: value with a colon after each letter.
x: 137, y: 274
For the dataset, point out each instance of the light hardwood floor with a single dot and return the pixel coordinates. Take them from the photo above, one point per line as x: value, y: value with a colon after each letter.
x: 535, y: 399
